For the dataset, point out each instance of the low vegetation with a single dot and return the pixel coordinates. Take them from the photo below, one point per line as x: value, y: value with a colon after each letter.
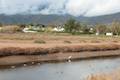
x: 40, y: 41
x: 69, y: 42
x: 96, y: 41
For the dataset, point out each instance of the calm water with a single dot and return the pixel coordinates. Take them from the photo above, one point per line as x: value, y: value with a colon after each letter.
x: 61, y: 71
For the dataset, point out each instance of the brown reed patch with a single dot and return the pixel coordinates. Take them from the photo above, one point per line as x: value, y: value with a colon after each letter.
x: 9, y: 51
x: 99, y: 77
x: 114, y: 75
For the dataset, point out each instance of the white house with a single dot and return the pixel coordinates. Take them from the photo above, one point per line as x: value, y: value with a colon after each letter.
x: 26, y: 30
x: 0, y: 28
x: 97, y: 33
x: 109, y: 34
x: 58, y: 29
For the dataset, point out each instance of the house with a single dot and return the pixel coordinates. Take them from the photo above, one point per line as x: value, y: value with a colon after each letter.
x: 97, y: 34
x: 37, y: 27
x: 0, y: 28
x: 26, y: 30
x: 109, y: 34
x: 58, y: 28
x: 34, y: 28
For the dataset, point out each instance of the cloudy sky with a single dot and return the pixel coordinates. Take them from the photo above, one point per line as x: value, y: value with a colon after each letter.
x: 73, y: 7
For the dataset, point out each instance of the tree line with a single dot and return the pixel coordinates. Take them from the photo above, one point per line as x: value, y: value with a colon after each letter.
x: 72, y: 26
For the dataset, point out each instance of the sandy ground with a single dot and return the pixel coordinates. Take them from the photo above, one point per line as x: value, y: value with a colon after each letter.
x: 48, y: 45
x: 56, y: 41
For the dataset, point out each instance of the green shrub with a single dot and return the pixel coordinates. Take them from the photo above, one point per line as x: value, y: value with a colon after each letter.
x: 69, y: 42
x: 95, y: 41
x: 40, y: 41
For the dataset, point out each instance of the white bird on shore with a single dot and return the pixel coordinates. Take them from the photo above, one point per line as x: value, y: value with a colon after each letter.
x: 32, y: 62
x: 24, y: 65
x: 12, y: 67
x: 69, y: 61
x: 38, y: 63
x: 69, y: 57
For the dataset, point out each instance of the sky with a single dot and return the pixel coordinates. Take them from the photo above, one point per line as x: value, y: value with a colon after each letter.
x: 85, y: 8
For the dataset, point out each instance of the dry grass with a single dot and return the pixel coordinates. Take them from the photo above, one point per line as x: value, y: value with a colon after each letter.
x: 95, y: 41
x: 64, y: 49
x: 115, y: 75
x: 40, y: 41
x: 22, y: 51
x: 58, y: 37
x: 11, y: 29
x: 68, y: 42
x: 99, y: 77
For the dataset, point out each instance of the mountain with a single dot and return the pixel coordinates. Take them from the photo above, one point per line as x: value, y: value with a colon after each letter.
x: 42, y: 19
x: 55, y: 19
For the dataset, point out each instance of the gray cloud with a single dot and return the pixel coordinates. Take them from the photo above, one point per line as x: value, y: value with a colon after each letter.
x: 72, y: 7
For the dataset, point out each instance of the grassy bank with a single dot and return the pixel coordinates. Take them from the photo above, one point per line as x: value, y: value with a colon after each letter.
x: 10, y: 51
